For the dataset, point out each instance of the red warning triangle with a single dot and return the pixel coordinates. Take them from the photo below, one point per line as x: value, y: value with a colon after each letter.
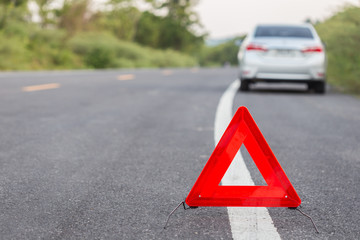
x: 243, y: 130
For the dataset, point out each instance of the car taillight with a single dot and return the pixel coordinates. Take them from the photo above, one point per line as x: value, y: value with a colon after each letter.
x: 255, y: 47
x: 316, y: 49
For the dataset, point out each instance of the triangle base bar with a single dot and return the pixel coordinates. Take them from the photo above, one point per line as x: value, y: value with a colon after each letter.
x: 242, y: 202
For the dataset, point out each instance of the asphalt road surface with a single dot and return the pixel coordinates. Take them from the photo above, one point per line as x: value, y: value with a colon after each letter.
x: 109, y: 154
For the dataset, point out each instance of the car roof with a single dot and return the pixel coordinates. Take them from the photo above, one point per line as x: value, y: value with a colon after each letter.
x: 285, y: 25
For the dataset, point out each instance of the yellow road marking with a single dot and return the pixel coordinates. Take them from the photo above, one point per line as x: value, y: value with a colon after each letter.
x: 167, y: 72
x: 126, y: 77
x: 194, y: 70
x: 40, y: 87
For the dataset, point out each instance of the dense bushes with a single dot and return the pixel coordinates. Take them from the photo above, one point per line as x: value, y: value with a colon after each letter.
x: 341, y: 34
x: 101, y: 50
x: 50, y: 49
x: 166, y: 33
x: 74, y: 36
x: 225, y: 53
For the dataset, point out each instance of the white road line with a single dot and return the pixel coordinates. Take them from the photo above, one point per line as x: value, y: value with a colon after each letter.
x: 245, y: 222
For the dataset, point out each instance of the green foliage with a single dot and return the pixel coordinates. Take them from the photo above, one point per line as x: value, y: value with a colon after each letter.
x: 148, y: 32
x: 72, y: 16
x: 15, y: 28
x: 175, y: 36
x: 14, y: 3
x: 341, y: 33
x: 175, y: 30
x: 35, y: 49
x: 74, y: 37
x: 12, y: 10
x: 171, y: 58
x: 165, y: 33
x: 49, y: 49
x: 96, y: 49
x: 13, y: 53
x: 179, y: 11
x: 99, y: 57
x: 53, y: 54
x: 225, y: 53
x: 52, y: 38
x: 122, y: 22
x: 103, y: 50
x: 45, y: 12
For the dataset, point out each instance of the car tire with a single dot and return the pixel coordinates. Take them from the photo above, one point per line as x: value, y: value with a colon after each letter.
x: 320, y: 87
x: 244, y: 85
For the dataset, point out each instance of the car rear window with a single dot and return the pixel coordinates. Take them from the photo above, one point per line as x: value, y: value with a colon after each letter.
x: 283, y: 31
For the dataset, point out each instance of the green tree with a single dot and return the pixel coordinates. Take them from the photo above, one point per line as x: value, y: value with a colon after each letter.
x: 175, y: 36
x: 174, y: 30
x: 16, y: 9
x: 180, y: 11
x: 341, y: 33
x: 73, y: 15
x: 148, y: 30
x: 225, y: 53
x: 121, y: 21
x: 44, y: 12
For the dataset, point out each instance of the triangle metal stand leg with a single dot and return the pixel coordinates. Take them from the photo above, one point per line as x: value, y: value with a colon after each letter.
x: 298, y: 209
x: 181, y: 203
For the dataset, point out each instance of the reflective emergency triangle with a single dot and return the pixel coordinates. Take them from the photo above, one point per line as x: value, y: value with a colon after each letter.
x: 243, y: 130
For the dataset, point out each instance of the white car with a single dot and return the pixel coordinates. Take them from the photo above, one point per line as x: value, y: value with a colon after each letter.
x: 283, y: 53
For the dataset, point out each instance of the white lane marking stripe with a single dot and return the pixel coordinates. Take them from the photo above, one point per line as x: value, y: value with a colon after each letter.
x: 245, y: 222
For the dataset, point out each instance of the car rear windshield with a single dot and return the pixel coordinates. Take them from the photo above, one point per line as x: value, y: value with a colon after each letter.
x: 283, y: 31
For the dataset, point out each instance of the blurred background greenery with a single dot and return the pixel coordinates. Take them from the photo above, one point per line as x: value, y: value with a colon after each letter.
x: 74, y: 34
x: 116, y: 35
x: 341, y: 34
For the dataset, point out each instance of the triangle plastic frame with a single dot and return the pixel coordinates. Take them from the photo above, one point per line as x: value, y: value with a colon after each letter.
x: 243, y: 130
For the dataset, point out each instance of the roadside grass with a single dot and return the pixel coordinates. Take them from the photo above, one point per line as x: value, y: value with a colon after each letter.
x: 30, y: 48
x: 341, y: 34
x: 102, y: 50
x: 223, y: 54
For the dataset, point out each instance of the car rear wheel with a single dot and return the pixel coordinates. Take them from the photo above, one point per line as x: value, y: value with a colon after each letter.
x: 244, y: 85
x: 318, y: 87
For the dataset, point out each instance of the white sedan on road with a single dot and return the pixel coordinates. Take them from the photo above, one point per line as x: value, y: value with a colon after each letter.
x: 283, y: 53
